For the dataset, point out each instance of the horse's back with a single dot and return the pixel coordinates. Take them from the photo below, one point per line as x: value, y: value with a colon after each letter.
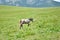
x: 26, y: 20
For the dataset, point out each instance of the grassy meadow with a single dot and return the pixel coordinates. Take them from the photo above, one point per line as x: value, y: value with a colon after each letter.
x: 46, y: 25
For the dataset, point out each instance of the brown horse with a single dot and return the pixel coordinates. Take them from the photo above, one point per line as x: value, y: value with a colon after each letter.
x: 25, y: 21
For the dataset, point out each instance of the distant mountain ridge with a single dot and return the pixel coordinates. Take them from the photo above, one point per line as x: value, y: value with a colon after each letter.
x: 30, y: 3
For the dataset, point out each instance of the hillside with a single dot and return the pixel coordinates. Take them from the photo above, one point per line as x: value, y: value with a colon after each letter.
x: 30, y: 3
x: 46, y: 25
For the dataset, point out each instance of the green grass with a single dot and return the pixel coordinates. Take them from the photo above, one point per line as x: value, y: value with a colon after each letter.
x: 46, y: 25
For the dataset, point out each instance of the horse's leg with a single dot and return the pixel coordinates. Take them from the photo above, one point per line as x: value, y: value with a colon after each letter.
x: 28, y: 24
x: 21, y: 26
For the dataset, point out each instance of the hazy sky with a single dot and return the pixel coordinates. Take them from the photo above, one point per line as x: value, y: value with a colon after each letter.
x: 29, y: 0
x: 57, y: 0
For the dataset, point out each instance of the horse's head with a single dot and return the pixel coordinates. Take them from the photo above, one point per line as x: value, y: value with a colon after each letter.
x: 31, y: 19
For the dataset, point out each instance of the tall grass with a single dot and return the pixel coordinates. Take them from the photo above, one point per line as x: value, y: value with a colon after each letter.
x: 46, y: 25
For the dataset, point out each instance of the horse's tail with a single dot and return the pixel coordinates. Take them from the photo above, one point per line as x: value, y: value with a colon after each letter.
x: 20, y: 24
x: 20, y: 21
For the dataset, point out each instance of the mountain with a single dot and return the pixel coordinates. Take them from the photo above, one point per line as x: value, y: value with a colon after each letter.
x: 30, y: 3
x: 56, y: 3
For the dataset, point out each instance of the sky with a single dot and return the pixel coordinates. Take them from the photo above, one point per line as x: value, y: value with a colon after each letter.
x: 30, y: 1
x: 57, y: 0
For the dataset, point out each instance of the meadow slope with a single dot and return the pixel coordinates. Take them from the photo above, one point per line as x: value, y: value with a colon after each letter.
x: 46, y: 25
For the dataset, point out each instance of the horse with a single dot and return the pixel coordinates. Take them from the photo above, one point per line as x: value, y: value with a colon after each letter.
x: 25, y: 21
